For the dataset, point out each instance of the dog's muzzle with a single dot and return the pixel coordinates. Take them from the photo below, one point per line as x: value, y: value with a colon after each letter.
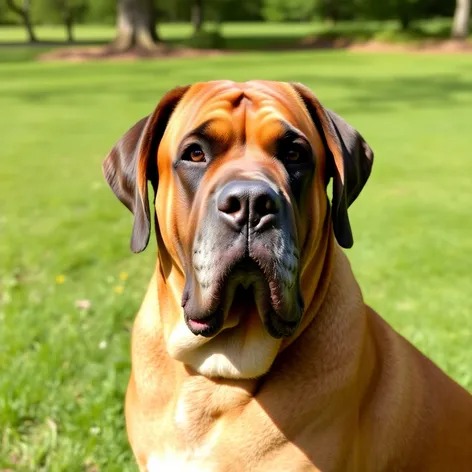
x: 244, y: 249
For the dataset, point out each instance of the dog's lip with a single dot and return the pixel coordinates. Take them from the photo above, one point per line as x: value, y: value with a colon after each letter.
x: 278, y: 327
x: 231, y: 302
x: 199, y: 325
x: 208, y: 326
x: 234, y: 305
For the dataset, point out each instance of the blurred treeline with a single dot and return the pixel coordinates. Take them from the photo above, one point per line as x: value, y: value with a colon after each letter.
x: 104, y: 11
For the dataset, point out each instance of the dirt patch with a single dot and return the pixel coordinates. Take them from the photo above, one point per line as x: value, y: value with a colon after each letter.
x: 425, y: 47
x: 320, y: 42
x: 432, y: 46
x: 106, y: 53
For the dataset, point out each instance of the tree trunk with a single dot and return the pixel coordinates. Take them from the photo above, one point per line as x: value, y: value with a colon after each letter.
x: 331, y: 12
x: 25, y: 16
x: 197, y: 16
x: 461, y: 23
x: 405, y: 18
x: 68, y: 17
x: 69, y: 28
x: 136, y: 25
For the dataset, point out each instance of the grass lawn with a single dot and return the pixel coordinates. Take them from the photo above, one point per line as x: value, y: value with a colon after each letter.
x: 64, y: 236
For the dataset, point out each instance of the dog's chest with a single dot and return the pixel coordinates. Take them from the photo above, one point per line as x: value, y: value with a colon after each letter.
x: 187, y: 456
x: 194, y: 438
x: 219, y: 430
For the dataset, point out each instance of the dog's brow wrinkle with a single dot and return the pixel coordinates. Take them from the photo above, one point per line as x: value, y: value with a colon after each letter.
x: 238, y: 99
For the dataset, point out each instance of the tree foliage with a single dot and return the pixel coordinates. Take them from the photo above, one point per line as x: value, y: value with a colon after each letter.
x: 289, y: 10
x: 105, y: 11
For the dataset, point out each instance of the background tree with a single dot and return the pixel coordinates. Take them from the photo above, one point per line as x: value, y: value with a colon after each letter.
x: 331, y: 11
x: 235, y: 10
x: 461, y: 22
x: 197, y: 16
x: 24, y: 12
x: 68, y: 10
x: 408, y: 11
x: 404, y: 11
x: 136, y: 19
x: 288, y: 10
x: 101, y: 12
x: 136, y: 25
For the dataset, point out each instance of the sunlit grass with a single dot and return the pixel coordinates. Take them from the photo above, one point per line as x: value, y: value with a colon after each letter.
x: 66, y: 305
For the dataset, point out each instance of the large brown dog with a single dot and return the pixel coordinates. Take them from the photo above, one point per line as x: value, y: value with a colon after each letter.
x: 253, y: 349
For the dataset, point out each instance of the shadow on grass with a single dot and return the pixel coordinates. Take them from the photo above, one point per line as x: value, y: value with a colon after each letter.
x: 382, y: 94
x: 20, y: 51
x: 360, y: 94
x: 47, y: 44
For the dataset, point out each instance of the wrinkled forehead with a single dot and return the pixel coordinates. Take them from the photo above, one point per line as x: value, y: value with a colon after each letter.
x: 254, y: 109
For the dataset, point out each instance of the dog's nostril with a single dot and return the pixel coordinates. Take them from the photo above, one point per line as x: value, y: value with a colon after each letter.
x: 265, y: 205
x: 230, y: 205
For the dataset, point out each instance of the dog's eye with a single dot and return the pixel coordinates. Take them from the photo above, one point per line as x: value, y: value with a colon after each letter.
x: 194, y: 153
x: 292, y: 155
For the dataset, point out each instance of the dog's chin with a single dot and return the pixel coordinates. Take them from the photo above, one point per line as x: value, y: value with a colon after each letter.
x: 246, y: 290
x: 208, y: 326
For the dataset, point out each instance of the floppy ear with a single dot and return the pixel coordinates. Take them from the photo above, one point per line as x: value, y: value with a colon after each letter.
x: 133, y: 161
x: 350, y: 163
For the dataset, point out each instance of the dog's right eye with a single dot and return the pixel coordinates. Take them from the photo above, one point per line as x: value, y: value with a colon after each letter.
x: 194, y: 153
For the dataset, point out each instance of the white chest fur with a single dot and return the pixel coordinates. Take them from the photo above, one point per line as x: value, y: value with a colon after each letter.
x: 197, y: 459
x: 171, y: 461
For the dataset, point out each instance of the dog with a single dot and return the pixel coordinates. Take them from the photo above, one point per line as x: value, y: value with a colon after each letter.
x: 253, y: 349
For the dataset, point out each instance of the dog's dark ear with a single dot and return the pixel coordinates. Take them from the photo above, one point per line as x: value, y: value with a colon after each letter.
x: 133, y: 161
x: 350, y: 163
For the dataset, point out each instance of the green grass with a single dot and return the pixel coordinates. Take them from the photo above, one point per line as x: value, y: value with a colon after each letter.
x: 64, y: 369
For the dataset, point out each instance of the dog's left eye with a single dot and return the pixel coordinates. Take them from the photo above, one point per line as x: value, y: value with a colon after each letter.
x: 194, y: 153
x: 293, y: 153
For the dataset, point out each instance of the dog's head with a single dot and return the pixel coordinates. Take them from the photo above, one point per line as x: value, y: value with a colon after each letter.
x: 240, y: 174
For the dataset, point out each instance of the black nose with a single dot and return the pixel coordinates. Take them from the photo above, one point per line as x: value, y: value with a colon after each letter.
x: 244, y: 201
